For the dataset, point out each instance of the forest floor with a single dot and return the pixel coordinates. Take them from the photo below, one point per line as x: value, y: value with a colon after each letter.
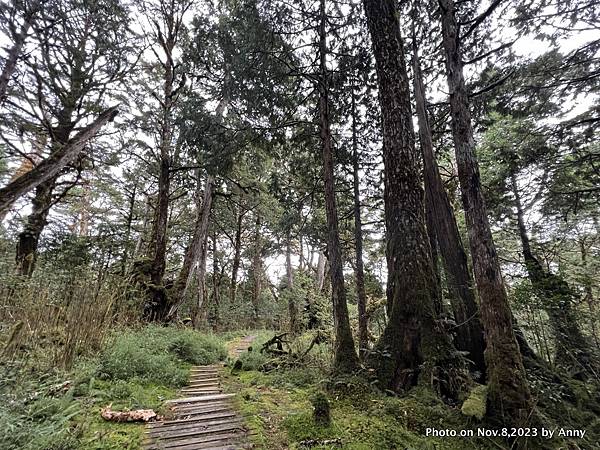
x: 46, y: 408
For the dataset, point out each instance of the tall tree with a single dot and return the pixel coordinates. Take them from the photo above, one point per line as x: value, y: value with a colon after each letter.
x: 442, y: 225
x: 509, y: 393
x: 412, y: 336
x: 167, y: 19
x: 84, y: 52
x: 345, y: 359
x: 363, y: 320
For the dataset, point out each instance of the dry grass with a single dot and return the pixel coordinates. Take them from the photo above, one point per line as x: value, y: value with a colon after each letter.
x: 55, y: 323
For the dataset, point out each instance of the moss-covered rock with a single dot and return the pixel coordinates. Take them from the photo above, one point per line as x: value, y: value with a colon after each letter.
x: 476, y: 403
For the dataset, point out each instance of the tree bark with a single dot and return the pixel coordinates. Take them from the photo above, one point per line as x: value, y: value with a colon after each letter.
x: 216, y: 283
x: 62, y: 154
x: 289, y: 276
x: 359, y: 273
x: 257, y: 268
x: 321, y: 263
x: 237, y: 253
x: 573, y: 350
x: 442, y: 223
x: 128, y: 224
x: 194, y: 251
x: 345, y: 359
x: 509, y: 395
x: 27, y: 244
x: 412, y: 337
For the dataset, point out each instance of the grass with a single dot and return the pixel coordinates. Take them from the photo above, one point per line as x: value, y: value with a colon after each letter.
x: 134, y: 369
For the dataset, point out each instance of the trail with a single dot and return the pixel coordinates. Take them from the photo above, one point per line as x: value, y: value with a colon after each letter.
x: 204, y: 417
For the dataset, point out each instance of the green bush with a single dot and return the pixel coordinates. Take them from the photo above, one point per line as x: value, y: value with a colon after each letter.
x: 253, y: 360
x: 158, y: 354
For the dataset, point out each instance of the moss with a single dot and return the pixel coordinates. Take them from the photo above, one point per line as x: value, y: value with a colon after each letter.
x: 476, y: 402
x: 321, y: 410
x: 281, y: 414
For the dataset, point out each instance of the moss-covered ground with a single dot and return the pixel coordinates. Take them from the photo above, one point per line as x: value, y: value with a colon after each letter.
x: 277, y: 405
x: 43, y: 408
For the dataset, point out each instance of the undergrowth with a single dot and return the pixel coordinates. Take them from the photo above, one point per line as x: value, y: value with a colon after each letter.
x: 134, y: 369
x: 276, y: 401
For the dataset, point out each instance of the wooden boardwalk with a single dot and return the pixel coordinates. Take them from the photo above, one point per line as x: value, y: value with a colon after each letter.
x: 204, y: 417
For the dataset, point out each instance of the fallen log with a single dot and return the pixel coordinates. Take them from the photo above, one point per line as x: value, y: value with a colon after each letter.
x: 138, y: 415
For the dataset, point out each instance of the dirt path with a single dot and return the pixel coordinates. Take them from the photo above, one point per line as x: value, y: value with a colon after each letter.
x: 204, y: 418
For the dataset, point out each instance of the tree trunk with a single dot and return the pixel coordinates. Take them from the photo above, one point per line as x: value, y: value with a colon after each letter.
x: 63, y: 153
x: 216, y: 282
x: 363, y: 319
x: 237, y: 253
x: 256, y: 268
x: 128, y: 224
x: 292, y: 308
x: 573, y: 350
x: 345, y: 359
x: 412, y: 337
x: 469, y: 332
x: 27, y: 245
x: 509, y: 395
x: 195, y: 249
x: 157, y: 304
x: 321, y: 263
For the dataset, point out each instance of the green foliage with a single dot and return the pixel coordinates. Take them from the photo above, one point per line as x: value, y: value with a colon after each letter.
x: 35, y: 412
x: 253, y: 360
x: 158, y: 354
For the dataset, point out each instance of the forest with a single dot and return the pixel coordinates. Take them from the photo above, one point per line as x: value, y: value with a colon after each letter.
x: 316, y: 224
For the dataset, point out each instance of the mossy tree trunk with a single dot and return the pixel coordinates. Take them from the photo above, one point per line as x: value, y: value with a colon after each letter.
x: 442, y: 224
x: 28, y: 240
x: 509, y: 395
x: 412, y: 336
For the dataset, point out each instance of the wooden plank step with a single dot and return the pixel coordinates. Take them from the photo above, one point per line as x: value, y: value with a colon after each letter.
x: 200, y: 408
x: 200, y: 443
x: 200, y: 388
x: 204, y: 391
x: 203, y: 384
x: 189, y: 415
x: 224, y: 413
x: 201, y: 392
x: 229, y: 447
x: 204, y: 380
x: 202, y: 399
x: 190, y: 437
x: 173, y: 424
x: 180, y: 430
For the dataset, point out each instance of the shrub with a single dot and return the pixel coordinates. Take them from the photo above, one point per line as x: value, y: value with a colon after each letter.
x: 253, y: 360
x: 158, y: 354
